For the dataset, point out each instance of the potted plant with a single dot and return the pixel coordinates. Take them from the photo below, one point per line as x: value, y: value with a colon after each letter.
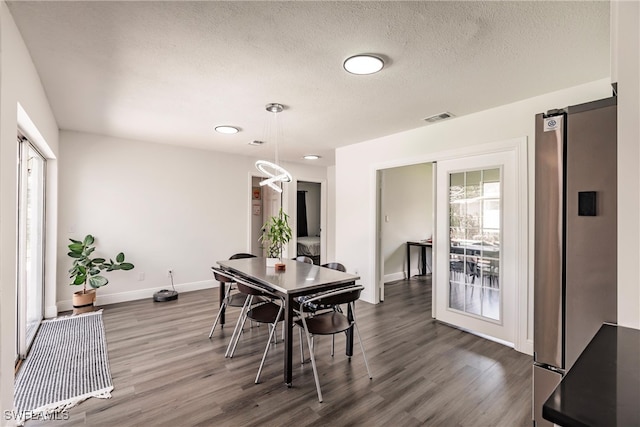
x: 86, y: 270
x: 275, y: 234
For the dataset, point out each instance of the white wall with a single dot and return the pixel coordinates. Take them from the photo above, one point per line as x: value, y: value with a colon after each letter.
x: 356, y: 167
x: 19, y: 84
x: 626, y: 71
x: 407, y: 214
x: 163, y: 206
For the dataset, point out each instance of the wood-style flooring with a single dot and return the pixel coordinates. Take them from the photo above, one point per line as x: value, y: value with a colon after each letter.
x: 166, y: 372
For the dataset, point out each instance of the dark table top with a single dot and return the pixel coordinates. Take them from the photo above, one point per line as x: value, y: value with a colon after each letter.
x: 419, y: 243
x: 603, y: 386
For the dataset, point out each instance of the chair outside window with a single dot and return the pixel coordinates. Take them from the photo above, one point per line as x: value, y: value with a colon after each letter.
x: 230, y: 299
x: 331, y: 322
x: 304, y: 259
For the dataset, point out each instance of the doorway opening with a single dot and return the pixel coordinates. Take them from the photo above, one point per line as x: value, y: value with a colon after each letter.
x: 309, y: 220
x: 405, y: 224
x: 265, y: 203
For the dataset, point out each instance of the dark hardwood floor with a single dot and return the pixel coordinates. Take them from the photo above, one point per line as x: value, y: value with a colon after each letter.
x: 166, y: 372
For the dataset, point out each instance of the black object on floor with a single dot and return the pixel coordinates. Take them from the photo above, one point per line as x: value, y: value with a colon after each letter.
x: 165, y: 295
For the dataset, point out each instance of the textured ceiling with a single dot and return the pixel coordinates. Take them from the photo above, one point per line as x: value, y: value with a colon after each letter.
x: 168, y: 72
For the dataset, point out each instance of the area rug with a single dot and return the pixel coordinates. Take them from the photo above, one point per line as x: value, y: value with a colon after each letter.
x: 67, y: 364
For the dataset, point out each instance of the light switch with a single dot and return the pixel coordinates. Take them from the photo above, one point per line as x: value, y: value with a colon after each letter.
x: 386, y: 218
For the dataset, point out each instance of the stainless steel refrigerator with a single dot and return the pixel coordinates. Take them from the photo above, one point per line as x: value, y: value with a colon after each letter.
x: 575, y: 237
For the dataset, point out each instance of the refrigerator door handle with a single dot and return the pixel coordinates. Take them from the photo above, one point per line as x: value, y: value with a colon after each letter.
x: 549, y: 240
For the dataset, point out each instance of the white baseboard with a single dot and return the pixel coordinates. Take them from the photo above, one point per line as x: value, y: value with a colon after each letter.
x: 400, y: 275
x: 107, y: 299
x: 393, y: 277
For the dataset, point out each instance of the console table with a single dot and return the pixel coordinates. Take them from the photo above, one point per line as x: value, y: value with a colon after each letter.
x: 423, y: 245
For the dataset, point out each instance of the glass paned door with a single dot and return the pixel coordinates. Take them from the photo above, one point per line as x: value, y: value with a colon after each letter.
x: 476, y: 217
x: 474, y: 242
x: 30, y: 244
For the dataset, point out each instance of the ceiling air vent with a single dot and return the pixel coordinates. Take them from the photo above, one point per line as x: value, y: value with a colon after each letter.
x: 438, y: 117
x: 256, y: 142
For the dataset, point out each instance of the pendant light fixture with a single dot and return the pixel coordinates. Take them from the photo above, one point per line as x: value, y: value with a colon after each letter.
x: 276, y: 174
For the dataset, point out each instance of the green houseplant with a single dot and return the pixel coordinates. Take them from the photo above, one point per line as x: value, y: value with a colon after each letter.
x: 275, y: 234
x: 87, y: 270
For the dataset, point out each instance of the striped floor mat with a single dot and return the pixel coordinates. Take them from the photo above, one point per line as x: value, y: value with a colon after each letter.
x: 67, y: 364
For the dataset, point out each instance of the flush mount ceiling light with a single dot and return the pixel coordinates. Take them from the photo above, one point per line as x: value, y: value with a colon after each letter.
x: 311, y: 157
x: 275, y: 173
x: 226, y: 129
x: 363, y: 64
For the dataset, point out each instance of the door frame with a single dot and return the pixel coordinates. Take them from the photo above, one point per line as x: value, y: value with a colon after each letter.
x: 23, y: 340
x: 524, y: 291
x: 323, y: 214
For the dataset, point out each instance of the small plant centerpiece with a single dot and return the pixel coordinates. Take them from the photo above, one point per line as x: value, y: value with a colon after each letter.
x: 275, y: 234
x: 86, y: 270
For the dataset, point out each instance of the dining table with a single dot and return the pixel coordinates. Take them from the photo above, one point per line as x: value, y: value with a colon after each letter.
x: 298, y: 279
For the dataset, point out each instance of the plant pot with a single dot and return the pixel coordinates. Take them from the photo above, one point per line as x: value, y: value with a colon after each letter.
x: 281, y: 267
x: 271, y: 262
x: 83, y: 301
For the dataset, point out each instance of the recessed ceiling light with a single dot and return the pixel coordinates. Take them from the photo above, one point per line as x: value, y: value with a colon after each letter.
x: 363, y: 64
x: 229, y: 130
x: 311, y: 157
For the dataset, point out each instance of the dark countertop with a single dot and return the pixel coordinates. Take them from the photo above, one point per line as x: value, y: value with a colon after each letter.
x: 603, y: 386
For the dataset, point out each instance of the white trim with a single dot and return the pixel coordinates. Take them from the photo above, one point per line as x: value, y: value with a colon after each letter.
x: 474, y: 150
x: 139, y: 294
x: 524, y: 292
x: 380, y: 279
x: 374, y: 249
x: 50, y: 311
x: 478, y: 334
x: 30, y: 130
x: 400, y: 275
x: 434, y: 239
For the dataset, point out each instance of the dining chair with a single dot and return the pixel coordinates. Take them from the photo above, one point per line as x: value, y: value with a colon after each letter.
x: 264, y: 311
x: 304, y: 259
x: 342, y: 268
x: 331, y: 265
x: 317, y: 307
x: 229, y: 300
x: 330, y: 322
x: 335, y: 266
